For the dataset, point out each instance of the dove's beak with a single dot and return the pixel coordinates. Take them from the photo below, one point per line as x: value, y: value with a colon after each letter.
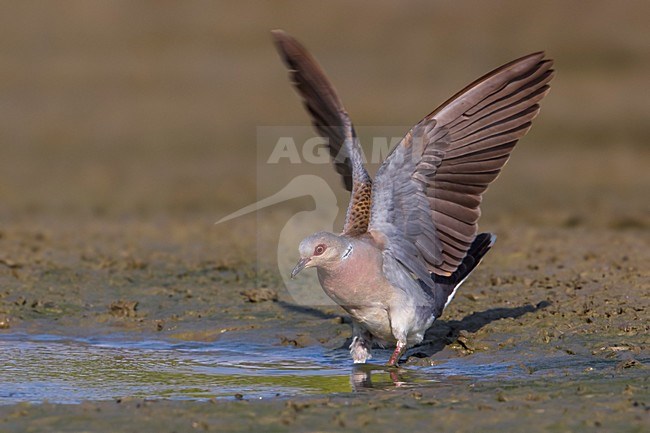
x: 299, y: 266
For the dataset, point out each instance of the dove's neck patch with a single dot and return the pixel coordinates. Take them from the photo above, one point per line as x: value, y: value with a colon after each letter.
x: 347, y: 252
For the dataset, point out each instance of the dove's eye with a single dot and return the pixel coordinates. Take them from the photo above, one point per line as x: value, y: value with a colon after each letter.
x: 320, y: 249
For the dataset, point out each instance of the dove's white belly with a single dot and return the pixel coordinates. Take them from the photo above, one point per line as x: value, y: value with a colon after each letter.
x: 375, y: 320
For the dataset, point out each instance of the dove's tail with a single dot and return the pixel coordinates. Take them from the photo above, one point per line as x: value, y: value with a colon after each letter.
x: 446, y: 287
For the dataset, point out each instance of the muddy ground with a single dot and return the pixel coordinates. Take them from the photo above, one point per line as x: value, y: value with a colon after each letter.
x: 547, y: 298
x: 116, y: 163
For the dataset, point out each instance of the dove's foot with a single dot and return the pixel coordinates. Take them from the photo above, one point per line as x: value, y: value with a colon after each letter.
x: 397, y: 354
x: 360, y: 350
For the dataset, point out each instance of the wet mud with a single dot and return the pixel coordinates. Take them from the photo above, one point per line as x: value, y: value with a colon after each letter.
x: 124, y: 308
x: 551, y: 334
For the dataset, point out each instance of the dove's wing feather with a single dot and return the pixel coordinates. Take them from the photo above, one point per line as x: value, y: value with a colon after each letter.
x: 426, y: 196
x: 332, y: 122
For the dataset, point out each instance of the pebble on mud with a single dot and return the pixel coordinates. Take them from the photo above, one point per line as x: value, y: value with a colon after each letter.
x: 628, y: 363
x: 4, y: 322
x: 11, y: 264
x: 299, y: 340
x: 463, y: 345
x: 262, y: 294
x: 123, y: 308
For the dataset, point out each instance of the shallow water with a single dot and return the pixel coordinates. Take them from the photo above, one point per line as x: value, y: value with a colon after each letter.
x: 56, y: 369
x: 69, y: 370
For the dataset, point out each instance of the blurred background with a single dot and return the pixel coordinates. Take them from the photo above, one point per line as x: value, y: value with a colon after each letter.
x: 148, y: 109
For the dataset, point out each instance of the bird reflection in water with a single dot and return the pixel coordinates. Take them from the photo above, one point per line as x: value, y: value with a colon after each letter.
x: 361, y: 377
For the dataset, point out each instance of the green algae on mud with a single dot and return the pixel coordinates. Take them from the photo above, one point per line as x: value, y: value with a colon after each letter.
x: 614, y: 404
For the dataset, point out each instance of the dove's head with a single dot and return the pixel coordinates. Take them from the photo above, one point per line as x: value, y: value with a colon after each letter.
x: 323, y: 250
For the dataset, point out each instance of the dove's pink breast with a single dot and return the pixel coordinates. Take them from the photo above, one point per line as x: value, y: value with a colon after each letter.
x: 357, y: 284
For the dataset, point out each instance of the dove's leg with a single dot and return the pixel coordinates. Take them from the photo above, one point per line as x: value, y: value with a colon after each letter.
x: 397, y: 354
x: 361, y: 343
x: 401, y: 321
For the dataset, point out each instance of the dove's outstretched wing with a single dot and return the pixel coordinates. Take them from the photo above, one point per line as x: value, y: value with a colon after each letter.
x: 332, y: 122
x: 426, y: 196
